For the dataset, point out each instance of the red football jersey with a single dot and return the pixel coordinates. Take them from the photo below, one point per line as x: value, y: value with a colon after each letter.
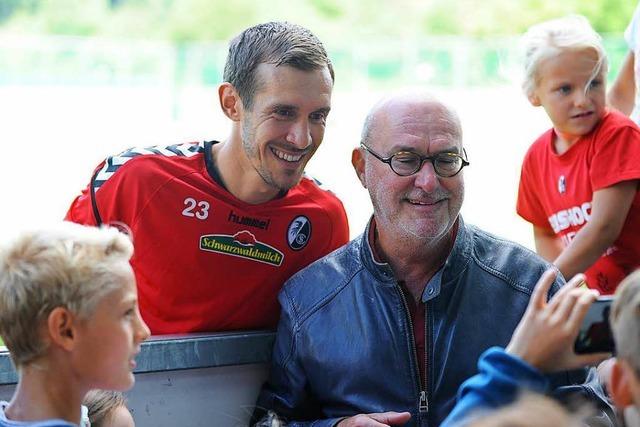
x: 556, y: 191
x: 204, y: 260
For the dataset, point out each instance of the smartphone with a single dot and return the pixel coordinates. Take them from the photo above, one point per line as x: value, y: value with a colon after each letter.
x: 595, y: 332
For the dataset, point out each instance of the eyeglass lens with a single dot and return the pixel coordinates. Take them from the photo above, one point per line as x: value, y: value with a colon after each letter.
x: 408, y: 163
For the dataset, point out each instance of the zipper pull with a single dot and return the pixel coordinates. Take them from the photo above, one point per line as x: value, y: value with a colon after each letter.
x: 424, y: 404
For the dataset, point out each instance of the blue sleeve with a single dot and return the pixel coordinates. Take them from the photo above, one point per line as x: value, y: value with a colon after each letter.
x: 284, y: 397
x: 500, y: 378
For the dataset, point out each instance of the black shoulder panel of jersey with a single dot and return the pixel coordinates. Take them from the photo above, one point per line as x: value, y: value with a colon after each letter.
x: 113, y: 163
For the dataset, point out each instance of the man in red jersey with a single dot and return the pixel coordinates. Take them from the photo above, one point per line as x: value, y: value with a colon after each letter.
x: 219, y: 226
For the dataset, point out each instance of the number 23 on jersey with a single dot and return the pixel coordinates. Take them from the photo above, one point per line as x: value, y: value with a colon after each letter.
x: 195, y: 208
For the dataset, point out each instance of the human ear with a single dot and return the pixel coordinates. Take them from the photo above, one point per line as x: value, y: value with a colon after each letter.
x: 620, y: 389
x: 61, y: 327
x: 534, y: 99
x: 357, y: 160
x: 230, y: 101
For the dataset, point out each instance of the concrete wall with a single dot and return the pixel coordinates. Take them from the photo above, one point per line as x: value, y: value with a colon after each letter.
x: 190, y: 380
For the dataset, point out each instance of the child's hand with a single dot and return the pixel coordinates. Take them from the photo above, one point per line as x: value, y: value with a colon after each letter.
x: 546, y: 333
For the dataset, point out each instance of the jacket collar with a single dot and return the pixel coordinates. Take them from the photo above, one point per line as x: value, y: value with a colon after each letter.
x: 454, y: 265
x: 460, y: 254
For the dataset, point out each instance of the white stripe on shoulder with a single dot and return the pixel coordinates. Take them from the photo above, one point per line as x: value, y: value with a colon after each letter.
x: 113, y: 163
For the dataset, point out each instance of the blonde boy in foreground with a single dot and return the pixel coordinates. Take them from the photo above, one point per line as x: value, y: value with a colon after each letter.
x: 69, y: 316
x: 624, y: 383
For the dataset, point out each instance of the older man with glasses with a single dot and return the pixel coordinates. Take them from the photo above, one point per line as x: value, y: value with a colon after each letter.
x: 396, y: 319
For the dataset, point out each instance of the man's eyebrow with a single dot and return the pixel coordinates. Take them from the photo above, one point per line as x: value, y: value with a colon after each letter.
x: 283, y: 107
x: 453, y: 149
x: 323, y: 110
x: 400, y: 148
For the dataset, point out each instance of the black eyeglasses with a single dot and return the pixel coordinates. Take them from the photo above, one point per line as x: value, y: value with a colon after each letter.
x: 405, y: 163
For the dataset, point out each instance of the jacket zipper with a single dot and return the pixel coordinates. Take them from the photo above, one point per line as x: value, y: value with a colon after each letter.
x: 423, y: 402
x: 427, y: 348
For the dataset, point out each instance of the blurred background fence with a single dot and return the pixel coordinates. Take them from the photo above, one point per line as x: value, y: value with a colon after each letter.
x: 70, y: 101
x: 444, y: 61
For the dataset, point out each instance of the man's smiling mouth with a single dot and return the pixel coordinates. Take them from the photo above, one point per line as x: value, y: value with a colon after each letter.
x: 424, y: 202
x: 286, y: 156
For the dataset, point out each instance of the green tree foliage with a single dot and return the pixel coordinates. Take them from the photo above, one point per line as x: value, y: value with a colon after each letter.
x: 507, y: 17
x: 332, y: 20
x: 328, y: 9
x: 72, y: 17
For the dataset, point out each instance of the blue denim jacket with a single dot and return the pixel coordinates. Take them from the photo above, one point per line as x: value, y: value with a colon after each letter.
x: 345, y: 344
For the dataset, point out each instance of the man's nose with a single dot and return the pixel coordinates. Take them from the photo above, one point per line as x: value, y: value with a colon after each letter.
x: 300, y: 134
x: 426, y: 178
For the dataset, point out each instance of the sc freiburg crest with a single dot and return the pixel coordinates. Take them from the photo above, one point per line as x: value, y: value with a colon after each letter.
x: 562, y: 184
x: 299, y: 232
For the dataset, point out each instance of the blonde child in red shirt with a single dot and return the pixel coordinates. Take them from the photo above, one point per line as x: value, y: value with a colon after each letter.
x: 579, y: 181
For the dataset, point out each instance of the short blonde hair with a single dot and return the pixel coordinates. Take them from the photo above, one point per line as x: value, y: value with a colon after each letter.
x: 101, y: 404
x: 625, y: 320
x: 70, y: 265
x: 530, y: 410
x: 544, y: 40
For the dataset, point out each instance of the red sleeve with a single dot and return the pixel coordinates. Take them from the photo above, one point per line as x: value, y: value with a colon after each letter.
x: 529, y: 205
x: 115, y: 197
x: 81, y: 210
x: 616, y: 156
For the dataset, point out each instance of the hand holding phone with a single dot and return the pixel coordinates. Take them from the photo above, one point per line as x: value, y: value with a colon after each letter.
x: 546, y: 333
x: 595, y: 332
